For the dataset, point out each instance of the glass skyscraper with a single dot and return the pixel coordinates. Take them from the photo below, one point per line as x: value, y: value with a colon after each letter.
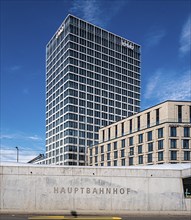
x: 92, y: 80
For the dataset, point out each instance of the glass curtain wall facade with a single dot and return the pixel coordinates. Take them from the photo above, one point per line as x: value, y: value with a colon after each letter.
x: 92, y: 80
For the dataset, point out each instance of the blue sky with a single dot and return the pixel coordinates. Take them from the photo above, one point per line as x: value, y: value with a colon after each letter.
x: 161, y: 27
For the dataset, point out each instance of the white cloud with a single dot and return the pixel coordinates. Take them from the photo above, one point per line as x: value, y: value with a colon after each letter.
x: 90, y: 10
x: 165, y: 85
x: 152, y: 84
x: 185, y: 38
x: 29, y: 146
x: 154, y: 37
x: 20, y: 136
x: 8, y: 154
x: 35, y: 138
x: 177, y: 89
x: 7, y: 136
x: 96, y: 11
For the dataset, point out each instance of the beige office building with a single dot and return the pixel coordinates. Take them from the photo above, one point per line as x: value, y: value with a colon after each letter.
x: 160, y: 134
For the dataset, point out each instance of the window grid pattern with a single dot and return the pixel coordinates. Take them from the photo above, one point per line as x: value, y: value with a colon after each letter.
x: 167, y: 142
x: 91, y: 81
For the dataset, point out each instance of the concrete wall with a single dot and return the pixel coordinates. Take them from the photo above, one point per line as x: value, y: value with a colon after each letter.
x: 36, y: 189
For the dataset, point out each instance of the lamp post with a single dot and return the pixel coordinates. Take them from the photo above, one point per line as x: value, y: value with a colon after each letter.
x: 17, y: 154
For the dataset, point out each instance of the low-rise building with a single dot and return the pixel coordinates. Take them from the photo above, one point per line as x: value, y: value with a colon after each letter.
x: 157, y: 135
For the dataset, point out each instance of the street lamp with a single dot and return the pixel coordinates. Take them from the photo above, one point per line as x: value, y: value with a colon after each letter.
x: 17, y: 154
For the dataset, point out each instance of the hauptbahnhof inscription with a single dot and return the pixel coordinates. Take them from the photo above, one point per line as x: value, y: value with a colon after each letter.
x: 87, y: 190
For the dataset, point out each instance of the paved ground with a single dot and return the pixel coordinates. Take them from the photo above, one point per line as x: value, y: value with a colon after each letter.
x: 130, y: 217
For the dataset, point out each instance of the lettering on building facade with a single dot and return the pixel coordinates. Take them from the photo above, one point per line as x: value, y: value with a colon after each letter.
x: 87, y: 190
x: 127, y: 44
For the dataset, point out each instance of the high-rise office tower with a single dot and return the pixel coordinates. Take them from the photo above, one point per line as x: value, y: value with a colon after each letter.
x: 92, y: 80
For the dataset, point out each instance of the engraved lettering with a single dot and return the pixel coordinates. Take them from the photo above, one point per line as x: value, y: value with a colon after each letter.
x: 128, y: 190
x: 114, y: 190
x: 122, y: 191
x: 101, y: 191
x: 55, y: 189
x: 75, y: 190
x: 88, y: 190
x: 62, y: 190
x: 69, y: 189
x: 108, y: 190
x: 94, y: 191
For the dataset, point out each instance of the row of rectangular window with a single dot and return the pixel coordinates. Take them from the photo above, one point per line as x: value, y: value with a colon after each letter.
x: 104, y: 113
x: 97, y: 95
x: 51, y: 75
x: 100, y: 67
x: 128, y: 76
x: 118, y: 65
x: 74, y: 38
x: 99, y: 100
x: 128, y: 81
x: 99, y: 85
x: 74, y: 23
x: 117, y: 60
x: 103, y: 40
x: 173, y: 156
x: 173, y: 132
x: 173, y: 144
x: 99, y: 119
x: 115, y: 93
x: 131, y: 139
x: 70, y: 49
x: 71, y: 106
x: 70, y: 148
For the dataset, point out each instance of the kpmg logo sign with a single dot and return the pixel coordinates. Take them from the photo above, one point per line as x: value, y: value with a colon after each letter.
x: 127, y: 44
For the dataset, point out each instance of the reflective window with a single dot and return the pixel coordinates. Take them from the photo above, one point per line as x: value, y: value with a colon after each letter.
x: 186, y: 132
x: 160, y: 144
x: 149, y: 136
x: 186, y: 155
x: 123, y: 162
x: 173, y: 131
x: 173, y: 155
x: 130, y: 161
x: 115, y: 154
x: 160, y: 156
x: 141, y: 159
x: 108, y: 147
x: 122, y: 153
x: 140, y: 138
x: 131, y: 141
x: 131, y: 151
x: 173, y: 143
x: 122, y: 143
x: 179, y: 113
x: 149, y: 158
x: 150, y: 147
x: 185, y: 144
x: 160, y: 132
